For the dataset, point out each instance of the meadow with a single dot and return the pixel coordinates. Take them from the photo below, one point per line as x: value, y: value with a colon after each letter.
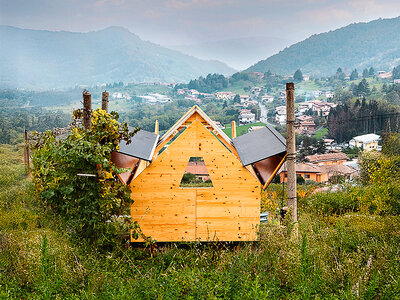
x: 338, y: 252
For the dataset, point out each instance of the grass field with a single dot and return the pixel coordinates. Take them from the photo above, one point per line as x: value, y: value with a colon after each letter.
x: 333, y: 256
x: 320, y: 133
x: 240, y: 130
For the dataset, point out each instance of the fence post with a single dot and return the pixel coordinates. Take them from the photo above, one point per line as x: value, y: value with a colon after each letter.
x: 104, y: 100
x: 87, y: 109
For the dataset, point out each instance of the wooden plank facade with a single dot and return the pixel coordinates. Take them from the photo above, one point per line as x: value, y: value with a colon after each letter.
x: 229, y: 210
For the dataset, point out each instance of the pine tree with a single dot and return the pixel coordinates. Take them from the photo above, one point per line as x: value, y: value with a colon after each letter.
x: 354, y: 75
x: 298, y: 75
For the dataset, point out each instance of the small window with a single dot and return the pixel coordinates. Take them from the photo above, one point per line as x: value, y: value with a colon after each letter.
x: 196, y: 174
x: 307, y: 176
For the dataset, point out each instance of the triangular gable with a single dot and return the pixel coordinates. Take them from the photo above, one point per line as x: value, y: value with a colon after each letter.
x: 195, y: 113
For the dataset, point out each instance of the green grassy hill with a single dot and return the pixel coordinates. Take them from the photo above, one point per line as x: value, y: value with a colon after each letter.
x: 358, y: 45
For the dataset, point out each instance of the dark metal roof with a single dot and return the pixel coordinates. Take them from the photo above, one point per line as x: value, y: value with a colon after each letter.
x: 259, y: 144
x: 142, y: 146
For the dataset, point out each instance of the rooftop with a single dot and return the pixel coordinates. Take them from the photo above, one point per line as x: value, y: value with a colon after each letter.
x: 367, y: 138
x: 327, y: 157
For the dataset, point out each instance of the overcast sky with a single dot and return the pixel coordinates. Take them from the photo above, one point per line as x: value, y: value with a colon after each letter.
x: 174, y: 22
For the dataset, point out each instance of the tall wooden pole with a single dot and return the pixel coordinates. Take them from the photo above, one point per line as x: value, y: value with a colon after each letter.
x: 291, y: 150
x: 104, y: 100
x: 156, y: 129
x: 233, y: 129
x: 87, y: 109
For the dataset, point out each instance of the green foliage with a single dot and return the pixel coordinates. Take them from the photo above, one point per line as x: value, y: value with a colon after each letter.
x: 298, y: 76
x: 396, y: 72
x: 88, y: 205
x: 391, y: 144
x: 354, y: 75
x: 209, y: 84
x: 347, y: 256
x: 349, y: 120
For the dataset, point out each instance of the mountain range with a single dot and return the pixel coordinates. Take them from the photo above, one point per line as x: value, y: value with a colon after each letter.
x: 39, y: 59
x: 358, y: 45
x: 239, y: 53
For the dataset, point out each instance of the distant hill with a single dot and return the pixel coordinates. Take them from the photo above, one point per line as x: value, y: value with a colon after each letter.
x: 238, y: 53
x: 48, y: 59
x: 359, y: 45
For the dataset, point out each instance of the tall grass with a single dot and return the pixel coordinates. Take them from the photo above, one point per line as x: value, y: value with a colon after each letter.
x: 348, y: 255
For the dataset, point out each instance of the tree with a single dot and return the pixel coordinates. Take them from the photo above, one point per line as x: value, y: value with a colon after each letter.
x: 371, y: 72
x: 340, y: 74
x: 321, y: 148
x: 298, y: 75
x: 365, y: 73
x: 354, y: 75
x: 363, y: 88
x: 236, y: 99
x: 396, y: 72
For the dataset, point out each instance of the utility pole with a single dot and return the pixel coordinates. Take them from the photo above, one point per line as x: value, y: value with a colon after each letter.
x: 104, y: 100
x: 291, y: 150
x: 87, y: 109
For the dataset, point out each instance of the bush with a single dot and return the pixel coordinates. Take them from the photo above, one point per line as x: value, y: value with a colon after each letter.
x: 86, y: 204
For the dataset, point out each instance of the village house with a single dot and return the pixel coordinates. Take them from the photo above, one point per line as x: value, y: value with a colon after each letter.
x: 334, y: 158
x: 267, y: 98
x: 305, y: 127
x: 307, y: 171
x: 224, y: 95
x: 244, y: 98
x: 329, y: 95
x: 306, y: 77
x: 384, y: 74
x: 280, y: 115
x: 317, y: 173
x: 317, y: 93
x: 366, y: 142
x: 199, y: 169
x: 246, y: 117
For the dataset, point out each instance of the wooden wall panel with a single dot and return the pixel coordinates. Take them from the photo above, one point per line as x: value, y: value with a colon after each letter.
x: 228, y: 211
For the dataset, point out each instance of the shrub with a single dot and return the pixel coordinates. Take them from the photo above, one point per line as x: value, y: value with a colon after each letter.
x: 86, y: 204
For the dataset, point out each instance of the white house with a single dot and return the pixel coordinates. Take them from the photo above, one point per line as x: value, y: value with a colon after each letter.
x: 366, y: 142
x: 280, y: 115
x: 246, y: 118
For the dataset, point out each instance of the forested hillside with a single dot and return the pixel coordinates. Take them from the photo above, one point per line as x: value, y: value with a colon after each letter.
x: 49, y: 59
x: 357, y: 45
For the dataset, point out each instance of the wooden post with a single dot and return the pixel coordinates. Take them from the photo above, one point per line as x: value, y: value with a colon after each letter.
x: 156, y: 130
x: 104, y: 100
x: 291, y: 150
x: 233, y: 129
x: 26, y: 153
x: 87, y: 109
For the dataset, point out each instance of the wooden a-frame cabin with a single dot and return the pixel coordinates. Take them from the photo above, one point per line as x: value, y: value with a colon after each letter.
x: 238, y: 169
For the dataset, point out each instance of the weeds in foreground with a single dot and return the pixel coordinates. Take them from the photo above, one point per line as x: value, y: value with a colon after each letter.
x: 351, y: 255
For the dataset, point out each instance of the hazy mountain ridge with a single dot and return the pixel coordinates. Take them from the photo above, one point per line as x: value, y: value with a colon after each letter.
x: 238, y: 53
x: 357, y: 45
x: 52, y: 59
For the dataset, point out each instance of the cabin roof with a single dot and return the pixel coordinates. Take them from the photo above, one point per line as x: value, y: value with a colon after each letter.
x: 259, y: 144
x: 142, y: 145
x: 172, y: 131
